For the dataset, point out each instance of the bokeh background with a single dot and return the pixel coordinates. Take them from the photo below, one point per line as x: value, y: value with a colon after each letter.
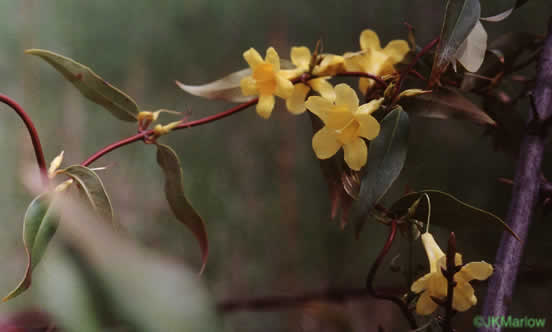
x: 256, y: 183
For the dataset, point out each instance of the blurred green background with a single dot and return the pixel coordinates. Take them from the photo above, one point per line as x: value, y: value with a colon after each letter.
x: 256, y: 183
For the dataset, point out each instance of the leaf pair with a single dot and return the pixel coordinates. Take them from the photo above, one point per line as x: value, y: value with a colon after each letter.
x: 42, y: 219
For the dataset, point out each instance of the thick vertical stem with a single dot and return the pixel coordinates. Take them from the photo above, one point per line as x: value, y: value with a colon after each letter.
x: 527, y: 182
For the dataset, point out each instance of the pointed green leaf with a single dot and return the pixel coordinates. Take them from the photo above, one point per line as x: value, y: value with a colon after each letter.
x: 448, y: 211
x: 39, y: 226
x: 447, y: 103
x: 91, y: 187
x: 472, y: 51
x: 386, y: 159
x: 227, y: 88
x: 460, y: 18
x: 91, y: 85
x: 180, y: 206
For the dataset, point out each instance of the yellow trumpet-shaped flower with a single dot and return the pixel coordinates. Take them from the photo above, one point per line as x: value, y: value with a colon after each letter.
x: 301, y: 58
x: 434, y: 284
x: 375, y: 60
x: 266, y: 80
x: 346, y: 124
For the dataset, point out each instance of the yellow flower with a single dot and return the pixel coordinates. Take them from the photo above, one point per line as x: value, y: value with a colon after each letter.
x: 434, y: 284
x: 266, y: 81
x: 331, y: 64
x: 301, y: 58
x: 346, y: 124
x: 375, y: 60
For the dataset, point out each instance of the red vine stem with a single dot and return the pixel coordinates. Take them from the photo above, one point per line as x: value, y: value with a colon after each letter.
x: 372, y: 274
x: 377, y: 79
x: 32, y: 132
x: 147, y: 133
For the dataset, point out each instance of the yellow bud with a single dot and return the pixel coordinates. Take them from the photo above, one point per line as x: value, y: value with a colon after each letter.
x: 160, y: 130
x: 413, y: 92
x: 64, y: 185
x: 54, y: 165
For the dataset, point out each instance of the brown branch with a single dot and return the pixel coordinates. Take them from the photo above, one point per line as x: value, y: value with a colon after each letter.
x: 525, y: 193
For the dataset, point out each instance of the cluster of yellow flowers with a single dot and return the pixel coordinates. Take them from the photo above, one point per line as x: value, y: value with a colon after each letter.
x: 346, y: 123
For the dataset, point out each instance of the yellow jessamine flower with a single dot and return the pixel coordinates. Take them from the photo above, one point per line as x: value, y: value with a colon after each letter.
x: 301, y: 58
x: 434, y: 284
x: 346, y: 124
x: 375, y: 60
x: 266, y: 81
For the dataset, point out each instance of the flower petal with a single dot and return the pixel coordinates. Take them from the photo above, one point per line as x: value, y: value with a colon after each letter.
x: 265, y: 106
x: 325, y: 143
x: 296, y: 102
x: 425, y: 305
x: 434, y: 253
x: 463, y: 297
x: 284, y: 87
x: 340, y: 120
x: 346, y: 96
x: 253, y: 58
x: 475, y: 270
x: 396, y: 50
x: 369, y: 108
x: 356, y: 154
x: 273, y: 58
x: 323, y: 87
x: 365, y: 84
x: 301, y: 57
x: 369, y: 126
x: 353, y: 62
x: 369, y: 40
x: 331, y: 64
x: 319, y: 106
x: 248, y: 86
x: 437, y: 285
x: 420, y: 284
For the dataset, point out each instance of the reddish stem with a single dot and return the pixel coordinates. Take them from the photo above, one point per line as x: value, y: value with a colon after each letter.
x: 372, y: 274
x: 32, y: 132
x: 147, y: 133
x: 409, y: 69
x: 377, y: 79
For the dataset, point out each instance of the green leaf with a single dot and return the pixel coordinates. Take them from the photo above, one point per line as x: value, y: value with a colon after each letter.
x: 386, y: 159
x: 91, y: 187
x: 227, y: 88
x: 91, y: 85
x: 180, y: 206
x: 39, y: 226
x: 506, y: 13
x: 472, y: 51
x: 460, y: 18
x: 447, y: 103
x: 448, y: 211
x: 137, y: 286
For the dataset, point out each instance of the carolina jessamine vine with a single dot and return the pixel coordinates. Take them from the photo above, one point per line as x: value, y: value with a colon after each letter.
x: 347, y: 122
